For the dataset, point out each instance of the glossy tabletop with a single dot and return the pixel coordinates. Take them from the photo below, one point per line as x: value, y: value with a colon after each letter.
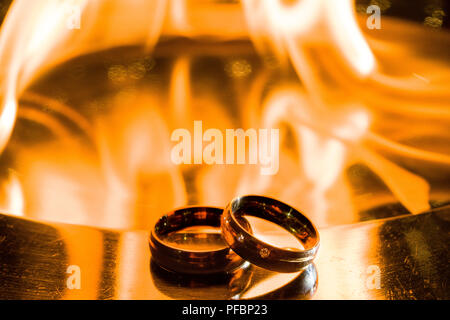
x: 398, y: 258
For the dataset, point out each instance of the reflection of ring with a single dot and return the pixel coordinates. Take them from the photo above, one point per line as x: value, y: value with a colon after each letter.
x: 259, y: 252
x: 191, y: 261
x: 216, y: 286
x: 300, y: 285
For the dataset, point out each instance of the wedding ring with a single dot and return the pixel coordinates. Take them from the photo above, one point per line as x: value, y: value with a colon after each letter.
x: 168, y: 256
x: 263, y: 254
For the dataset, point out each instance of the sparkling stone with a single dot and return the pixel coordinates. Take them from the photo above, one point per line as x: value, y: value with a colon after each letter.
x: 264, y: 252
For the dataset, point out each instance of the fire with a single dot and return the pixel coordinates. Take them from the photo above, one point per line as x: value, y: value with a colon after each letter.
x: 335, y: 93
x: 292, y: 26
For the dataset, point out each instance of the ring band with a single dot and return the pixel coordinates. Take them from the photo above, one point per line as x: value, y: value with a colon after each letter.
x: 260, y: 253
x: 184, y: 261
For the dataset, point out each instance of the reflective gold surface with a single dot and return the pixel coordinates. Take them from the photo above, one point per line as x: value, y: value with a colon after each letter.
x: 411, y: 254
x: 86, y: 117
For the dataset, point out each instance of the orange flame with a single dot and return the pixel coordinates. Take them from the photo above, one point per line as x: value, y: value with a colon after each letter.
x: 343, y: 108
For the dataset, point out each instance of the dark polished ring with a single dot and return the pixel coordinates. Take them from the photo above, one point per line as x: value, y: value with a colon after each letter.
x: 175, y: 259
x: 260, y: 253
